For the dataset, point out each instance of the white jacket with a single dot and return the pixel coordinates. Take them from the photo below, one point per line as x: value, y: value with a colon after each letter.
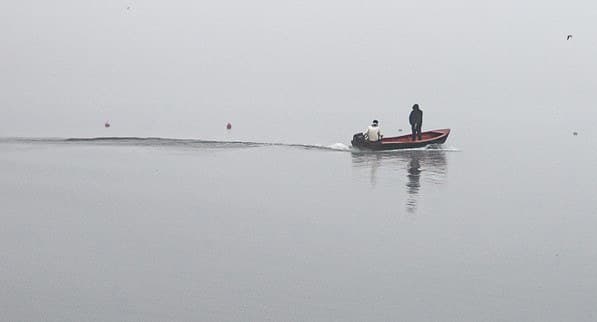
x: 373, y: 133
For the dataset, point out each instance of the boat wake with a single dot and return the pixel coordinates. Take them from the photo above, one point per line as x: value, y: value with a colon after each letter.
x: 173, y: 142
x: 196, y: 143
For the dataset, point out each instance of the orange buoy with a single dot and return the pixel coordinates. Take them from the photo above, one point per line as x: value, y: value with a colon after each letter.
x: 228, y: 126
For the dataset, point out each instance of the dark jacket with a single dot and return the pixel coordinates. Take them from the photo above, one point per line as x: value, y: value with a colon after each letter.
x: 416, y: 117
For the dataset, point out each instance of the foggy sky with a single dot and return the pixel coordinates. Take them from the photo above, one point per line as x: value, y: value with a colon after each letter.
x: 313, y: 71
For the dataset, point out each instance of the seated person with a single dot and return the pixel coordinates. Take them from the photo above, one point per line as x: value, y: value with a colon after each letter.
x: 373, y: 133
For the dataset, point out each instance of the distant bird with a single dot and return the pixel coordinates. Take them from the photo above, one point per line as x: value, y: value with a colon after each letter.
x: 228, y: 126
x: 575, y: 133
x: 107, y: 124
x: 568, y: 37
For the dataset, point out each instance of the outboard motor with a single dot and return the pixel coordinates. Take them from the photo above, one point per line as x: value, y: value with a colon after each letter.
x: 358, y: 139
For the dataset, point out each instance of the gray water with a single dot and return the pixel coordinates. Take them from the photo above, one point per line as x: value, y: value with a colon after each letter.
x: 278, y: 219
x: 175, y: 230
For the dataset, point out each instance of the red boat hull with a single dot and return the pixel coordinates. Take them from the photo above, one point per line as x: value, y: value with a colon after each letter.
x: 401, y: 142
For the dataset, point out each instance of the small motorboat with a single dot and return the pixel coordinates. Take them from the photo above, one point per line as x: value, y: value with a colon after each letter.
x: 400, y: 142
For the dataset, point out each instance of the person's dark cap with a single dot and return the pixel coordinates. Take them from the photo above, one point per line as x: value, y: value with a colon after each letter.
x: 416, y: 106
x: 375, y: 122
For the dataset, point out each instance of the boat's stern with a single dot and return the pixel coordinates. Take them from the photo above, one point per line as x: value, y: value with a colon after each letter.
x: 358, y: 140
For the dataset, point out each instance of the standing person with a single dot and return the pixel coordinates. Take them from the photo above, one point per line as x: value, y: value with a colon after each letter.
x: 373, y: 133
x: 416, y: 121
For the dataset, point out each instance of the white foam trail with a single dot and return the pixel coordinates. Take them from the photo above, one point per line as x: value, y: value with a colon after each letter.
x: 339, y: 147
x: 442, y: 148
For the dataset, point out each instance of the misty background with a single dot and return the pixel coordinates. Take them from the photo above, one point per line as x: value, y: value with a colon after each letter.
x: 296, y: 71
x: 497, y: 224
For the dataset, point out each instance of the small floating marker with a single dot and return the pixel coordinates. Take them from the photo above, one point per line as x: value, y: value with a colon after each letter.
x: 568, y: 37
x: 575, y: 133
x: 228, y: 126
x: 399, y: 130
x: 107, y: 124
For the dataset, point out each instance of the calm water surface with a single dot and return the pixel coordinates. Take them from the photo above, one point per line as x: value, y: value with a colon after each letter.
x: 181, y: 230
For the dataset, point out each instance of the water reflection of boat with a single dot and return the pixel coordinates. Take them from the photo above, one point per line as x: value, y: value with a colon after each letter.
x: 431, y: 165
x: 427, y: 165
